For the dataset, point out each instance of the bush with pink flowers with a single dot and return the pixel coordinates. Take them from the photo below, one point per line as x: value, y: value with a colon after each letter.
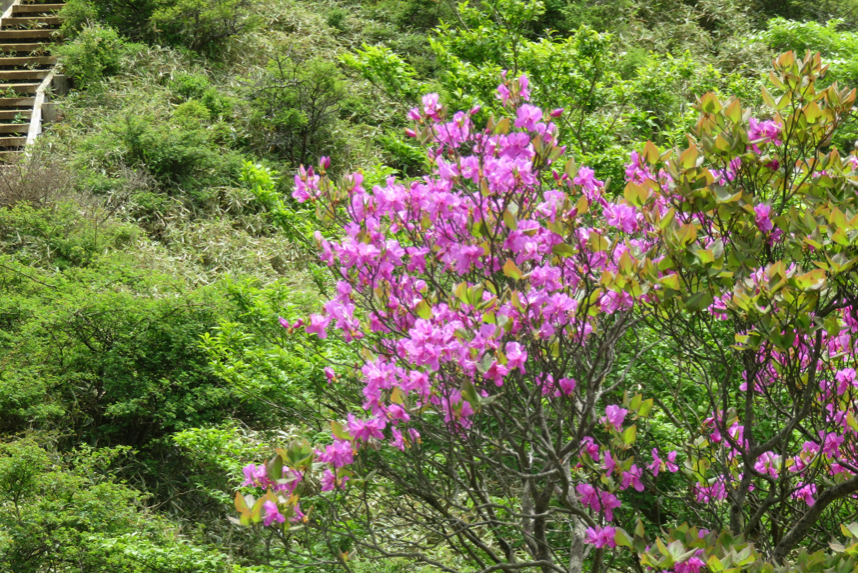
x: 500, y: 308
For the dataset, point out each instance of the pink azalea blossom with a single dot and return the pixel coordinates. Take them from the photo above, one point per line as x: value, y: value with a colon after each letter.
x: 632, y: 478
x: 692, y: 565
x: 586, y: 178
x: 566, y: 386
x: 528, y: 116
x: 670, y: 464
x: 331, y: 482
x: 768, y: 463
x: 614, y: 415
x: 431, y: 107
x: 317, y: 326
x: 398, y: 440
x: 763, y: 214
x: 591, y: 448
x: 255, y: 475
x: 656, y: 463
x: 330, y: 374
x: 806, y: 493
x: 516, y: 356
x: 845, y: 378
x: 767, y: 130
x: 272, y: 514
x: 339, y: 454
x: 610, y: 502
x: 601, y: 536
x: 711, y: 493
x: 366, y: 429
x: 589, y: 496
x: 623, y: 217
x: 610, y: 464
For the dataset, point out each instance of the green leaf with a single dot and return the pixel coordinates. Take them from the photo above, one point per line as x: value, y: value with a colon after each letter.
x: 687, y: 234
x: 650, y: 153
x: 274, y: 468
x: 255, y: 513
x: 510, y: 220
x: 670, y: 281
x: 622, y: 538
x: 423, y: 310
x: 630, y: 435
x: 563, y: 250
x: 511, y: 270
x: 635, y: 194
x: 469, y: 393
x: 688, y: 158
x: 340, y: 432
x: 635, y: 404
x: 715, y: 564
x: 699, y: 301
x: 832, y: 325
x: 240, y: 504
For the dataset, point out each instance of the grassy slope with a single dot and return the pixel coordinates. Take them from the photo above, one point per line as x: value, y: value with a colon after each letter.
x: 151, y: 242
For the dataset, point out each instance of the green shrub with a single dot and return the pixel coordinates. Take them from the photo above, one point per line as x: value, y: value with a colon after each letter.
x: 198, y: 86
x: 128, y: 17
x: 258, y: 359
x: 77, y: 15
x: 63, y: 234
x: 191, y: 114
x: 189, y: 86
x: 182, y: 156
x: 201, y: 25
x: 73, y: 514
x: 401, y: 154
x: 336, y: 19
x: 295, y: 109
x: 118, y: 362
x: 96, y: 52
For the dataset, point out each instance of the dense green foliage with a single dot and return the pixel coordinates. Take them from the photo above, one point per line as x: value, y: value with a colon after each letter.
x: 149, y: 247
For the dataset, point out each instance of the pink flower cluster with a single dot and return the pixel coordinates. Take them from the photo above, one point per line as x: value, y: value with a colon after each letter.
x: 768, y: 131
x: 397, y: 235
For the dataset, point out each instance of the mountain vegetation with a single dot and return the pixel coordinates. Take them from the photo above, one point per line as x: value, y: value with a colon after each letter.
x: 462, y: 286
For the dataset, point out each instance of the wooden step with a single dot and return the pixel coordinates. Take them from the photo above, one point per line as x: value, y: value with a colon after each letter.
x: 23, y: 74
x: 17, y: 101
x: 27, y: 34
x: 20, y: 88
x: 11, y: 114
x: 13, y: 141
x: 23, y: 48
x: 32, y: 20
x: 14, y: 127
x: 29, y: 61
x: 36, y: 8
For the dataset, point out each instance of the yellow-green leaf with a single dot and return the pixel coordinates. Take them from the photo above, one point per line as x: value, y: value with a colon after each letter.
x: 340, y: 433
x: 423, y: 310
x: 511, y: 270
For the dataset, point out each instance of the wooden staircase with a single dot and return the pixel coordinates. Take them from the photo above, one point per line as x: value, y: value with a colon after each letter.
x: 27, y: 72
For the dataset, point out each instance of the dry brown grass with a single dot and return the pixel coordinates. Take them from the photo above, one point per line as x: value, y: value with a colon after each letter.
x: 35, y: 179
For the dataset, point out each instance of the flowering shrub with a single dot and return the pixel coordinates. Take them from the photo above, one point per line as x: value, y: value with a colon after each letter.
x: 757, y: 221
x: 490, y: 301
